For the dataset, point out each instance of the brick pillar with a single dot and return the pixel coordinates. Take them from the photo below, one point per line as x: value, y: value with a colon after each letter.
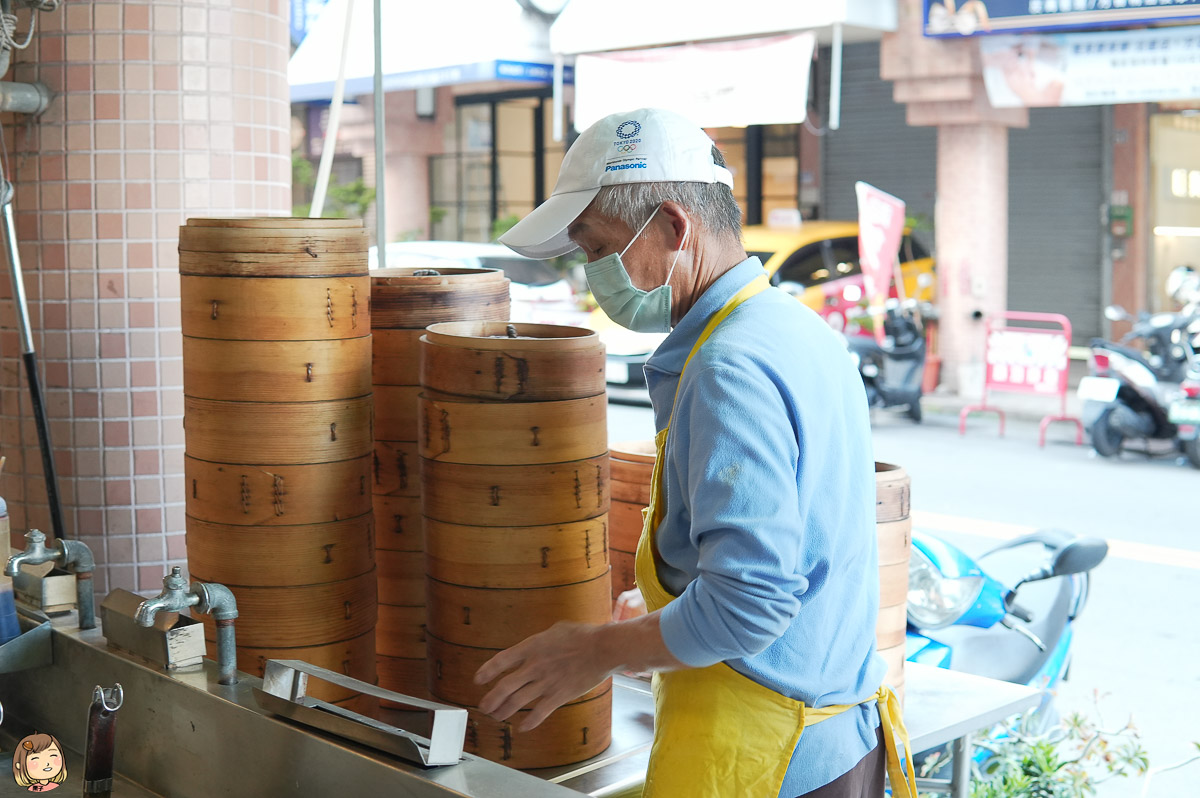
x: 941, y: 81
x: 167, y: 109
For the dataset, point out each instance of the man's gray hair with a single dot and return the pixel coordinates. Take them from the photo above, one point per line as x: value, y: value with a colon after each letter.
x: 710, y: 203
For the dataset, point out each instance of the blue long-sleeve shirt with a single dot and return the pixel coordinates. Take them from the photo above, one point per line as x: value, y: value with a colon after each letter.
x: 768, y: 538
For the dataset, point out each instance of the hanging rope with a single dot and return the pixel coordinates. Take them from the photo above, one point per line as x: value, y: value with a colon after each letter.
x: 8, y: 31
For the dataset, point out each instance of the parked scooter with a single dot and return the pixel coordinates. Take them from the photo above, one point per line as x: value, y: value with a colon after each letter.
x: 1131, y: 389
x: 964, y: 618
x: 1184, y: 413
x: 893, y: 372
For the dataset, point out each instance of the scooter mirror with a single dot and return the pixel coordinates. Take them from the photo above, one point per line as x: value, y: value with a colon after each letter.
x: 1116, y: 313
x: 852, y: 293
x: 1078, y: 556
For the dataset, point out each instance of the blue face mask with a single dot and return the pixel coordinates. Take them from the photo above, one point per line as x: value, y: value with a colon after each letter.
x: 625, y: 303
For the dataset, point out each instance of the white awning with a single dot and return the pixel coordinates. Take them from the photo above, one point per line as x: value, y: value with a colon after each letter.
x: 425, y: 44
x: 679, y: 39
x: 715, y: 84
x: 590, y: 26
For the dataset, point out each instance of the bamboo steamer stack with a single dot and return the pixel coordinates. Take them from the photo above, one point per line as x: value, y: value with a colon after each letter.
x: 515, y: 477
x: 894, y: 529
x: 403, y: 302
x: 277, y: 418
x: 632, y: 466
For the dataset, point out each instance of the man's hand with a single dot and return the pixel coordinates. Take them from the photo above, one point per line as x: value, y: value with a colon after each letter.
x: 544, y: 671
x: 547, y: 670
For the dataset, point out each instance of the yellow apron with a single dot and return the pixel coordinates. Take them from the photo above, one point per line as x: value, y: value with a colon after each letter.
x: 717, y: 733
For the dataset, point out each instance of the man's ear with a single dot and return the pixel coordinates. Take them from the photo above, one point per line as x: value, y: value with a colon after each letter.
x: 674, y: 216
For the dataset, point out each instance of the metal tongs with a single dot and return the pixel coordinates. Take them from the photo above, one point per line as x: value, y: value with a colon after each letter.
x: 438, y: 740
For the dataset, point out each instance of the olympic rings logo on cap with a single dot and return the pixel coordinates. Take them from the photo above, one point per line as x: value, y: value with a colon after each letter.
x: 637, y: 128
x: 627, y: 148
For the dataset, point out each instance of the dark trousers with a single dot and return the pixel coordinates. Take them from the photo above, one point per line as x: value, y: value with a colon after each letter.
x: 864, y: 780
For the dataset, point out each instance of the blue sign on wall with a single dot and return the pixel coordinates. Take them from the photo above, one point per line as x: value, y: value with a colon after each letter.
x: 303, y: 14
x: 957, y: 18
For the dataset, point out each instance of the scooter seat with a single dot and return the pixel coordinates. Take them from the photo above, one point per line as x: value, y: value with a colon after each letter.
x: 1004, y: 654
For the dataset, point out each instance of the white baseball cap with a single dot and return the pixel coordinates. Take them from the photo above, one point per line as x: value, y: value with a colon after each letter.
x: 649, y: 145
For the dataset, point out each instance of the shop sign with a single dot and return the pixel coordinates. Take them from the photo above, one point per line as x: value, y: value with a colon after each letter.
x: 1129, y: 66
x: 948, y: 18
x: 880, y: 229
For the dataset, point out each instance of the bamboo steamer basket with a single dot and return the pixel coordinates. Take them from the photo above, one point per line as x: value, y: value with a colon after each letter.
x: 517, y: 557
x: 396, y: 412
x: 273, y: 246
x: 299, y: 555
x: 623, y: 576
x: 894, y: 533
x: 478, y: 360
x: 283, y: 495
x: 354, y: 658
x: 572, y: 733
x: 627, y: 523
x: 396, y: 469
x: 403, y: 675
x: 401, y: 632
x: 398, y: 523
x: 408, y: 298
x: 395, y: 356
x: 491, y: 618
x: 276, y: 371
x: 634, y: 493
x: 401, y: 578
x: 277, y: 432
x: 273, y: 309
x: 452, y: 673
x: 490, y: 433
x: 521, y: 495
x: 301, y: 615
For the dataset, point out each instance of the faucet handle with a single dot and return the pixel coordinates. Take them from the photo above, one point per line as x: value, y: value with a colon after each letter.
x: 36, y: 538
x: 175, y: 580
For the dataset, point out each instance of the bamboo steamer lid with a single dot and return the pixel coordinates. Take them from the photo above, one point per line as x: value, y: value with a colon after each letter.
x: 396, y: 412
x: 276, y: 371
x: 354, y: 658
x: 625, y: 520
x: 403, y: 675
x: 273, y: 309
x: 493, y: 618
x: 396, y: 356
x: 633, y: 465
x: 892, y: 493
x: 409, y: 298
x: 397, y: 469
x: 452, y: 673
x: 643, y: 452
x: 283, y: 495
x: 277, y: 432
x: 492, y: 433
x: 304, y: 615
x: 398, y: 523
x: 572, y: 733
x: 517, y: 557
x: 299, y: 555
x: 273, y: 246
x: 453, y: 365
x: 623, y: 577
x: 400, y: 631
x: 401, y: 577
x: 520, y: 495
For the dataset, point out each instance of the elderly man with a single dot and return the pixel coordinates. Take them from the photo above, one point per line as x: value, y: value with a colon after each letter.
x: 758, y: 558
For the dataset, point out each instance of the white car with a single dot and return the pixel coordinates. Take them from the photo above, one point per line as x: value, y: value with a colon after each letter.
x: 540, y: 294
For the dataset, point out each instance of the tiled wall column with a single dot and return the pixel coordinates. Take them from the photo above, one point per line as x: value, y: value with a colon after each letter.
x: 167, y: 109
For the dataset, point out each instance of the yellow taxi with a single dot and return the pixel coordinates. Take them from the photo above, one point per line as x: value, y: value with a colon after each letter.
x: 817, y: 260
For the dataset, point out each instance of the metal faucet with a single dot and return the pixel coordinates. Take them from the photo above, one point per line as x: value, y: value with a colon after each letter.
x: 208, y: 598
x: 71, y: 555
